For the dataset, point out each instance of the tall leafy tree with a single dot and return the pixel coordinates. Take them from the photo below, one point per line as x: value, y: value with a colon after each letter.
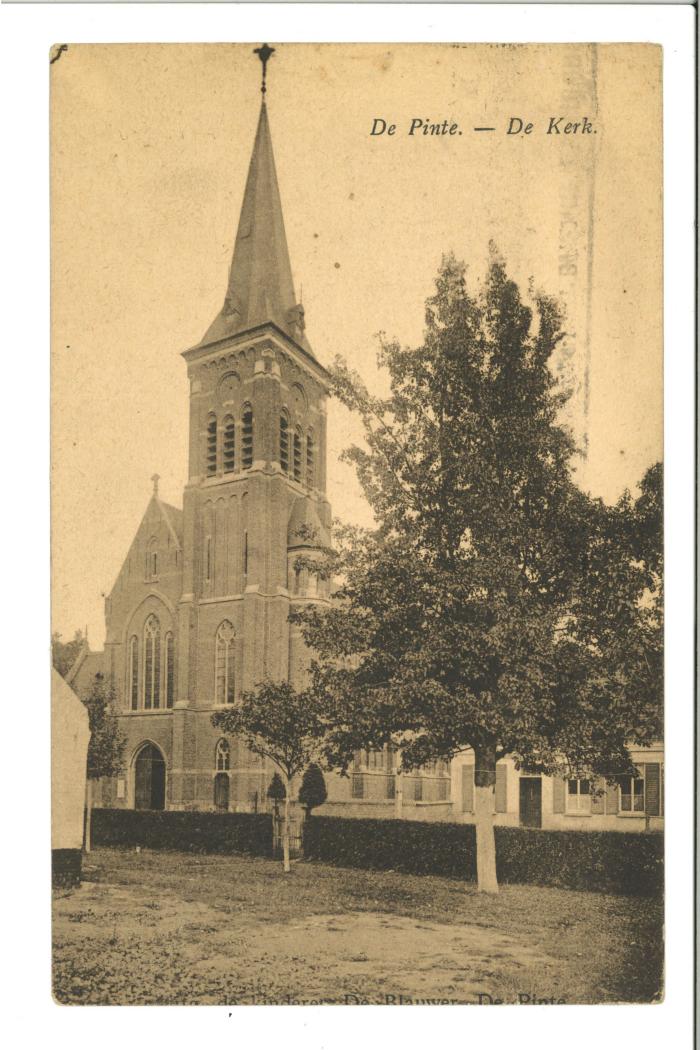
x: 64, y: 654
x: 464, y: 618
x: 282, y: 724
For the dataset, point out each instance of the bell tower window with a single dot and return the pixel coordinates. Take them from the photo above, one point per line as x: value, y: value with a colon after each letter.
x: 211, y: 446
x: 297, y: 455
x: 229, y: 445
x: 310, y: 459
x: 284, y: 444
x: 247, y: 438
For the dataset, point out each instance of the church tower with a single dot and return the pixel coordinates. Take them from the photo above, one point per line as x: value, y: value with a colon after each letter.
x: 256, y: 490
x: 199, y: 612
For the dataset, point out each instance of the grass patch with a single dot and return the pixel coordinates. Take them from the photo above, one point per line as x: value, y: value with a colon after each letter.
x: 183, y: 928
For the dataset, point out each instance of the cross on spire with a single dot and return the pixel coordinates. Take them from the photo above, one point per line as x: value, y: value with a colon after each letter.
x: 155, y: 478
x: 264, y: 53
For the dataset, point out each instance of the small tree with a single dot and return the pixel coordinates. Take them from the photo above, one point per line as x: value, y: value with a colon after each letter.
x: 312, y: 792
x: 107, y: 743
x: 279, y: 723
x: 276, y: 792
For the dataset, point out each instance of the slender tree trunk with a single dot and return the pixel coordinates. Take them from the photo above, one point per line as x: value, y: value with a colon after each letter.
x: 484, y: 782
x: 285, y: 831
x: 88, y: 815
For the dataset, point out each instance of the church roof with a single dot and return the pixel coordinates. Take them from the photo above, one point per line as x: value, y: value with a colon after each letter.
x: 173, y: 517
x: 86, y: 665
x: 260, y: 287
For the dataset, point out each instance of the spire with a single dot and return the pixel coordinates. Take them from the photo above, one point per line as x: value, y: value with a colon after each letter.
x: 260, y: 286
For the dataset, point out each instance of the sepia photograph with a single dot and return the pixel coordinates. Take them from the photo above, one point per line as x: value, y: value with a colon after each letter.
x: 357, y: 541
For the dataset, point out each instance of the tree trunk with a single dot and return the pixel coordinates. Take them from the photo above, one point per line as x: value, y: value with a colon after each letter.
x: 285, y: 831
x: 88, y: 815
x: 484, y: 782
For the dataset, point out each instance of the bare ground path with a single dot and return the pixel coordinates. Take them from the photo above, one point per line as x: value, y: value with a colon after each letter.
x: 177, y: 928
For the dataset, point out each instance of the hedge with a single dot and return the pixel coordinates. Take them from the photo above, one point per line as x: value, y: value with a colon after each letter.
x: 190, y: 832
x: 605, y: 861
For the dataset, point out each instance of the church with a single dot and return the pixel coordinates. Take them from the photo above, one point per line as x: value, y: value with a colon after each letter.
x: 199, y: 612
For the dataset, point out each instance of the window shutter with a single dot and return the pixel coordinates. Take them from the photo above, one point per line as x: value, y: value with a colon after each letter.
x: 652, y: 786
x: 598, y: 800
x: 501, y: 782
x: 467, y: 789
x: 558, y: 788
x: 612, y: 802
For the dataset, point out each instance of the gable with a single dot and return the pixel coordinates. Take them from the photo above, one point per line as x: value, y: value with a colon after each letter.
x: 153, y: 563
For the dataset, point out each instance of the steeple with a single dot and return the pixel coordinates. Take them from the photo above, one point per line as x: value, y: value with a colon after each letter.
x: 260, y: 287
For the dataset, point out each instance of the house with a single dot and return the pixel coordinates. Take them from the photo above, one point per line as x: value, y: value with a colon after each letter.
x: 525, y: 800
x: 70, y: 736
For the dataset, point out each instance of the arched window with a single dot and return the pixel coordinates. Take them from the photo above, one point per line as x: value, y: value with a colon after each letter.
x: 310, y: 459
x: 284, y: 444
x: 152, y: 559
x: 225, y: 668
x: 169, y: 669
x: 247, y: 438
x: 211, y: 446
x: 223, y: 756
x: 134, y: 672
x: 297, y: 455
x: 229, y: 445
x: 151, y: 663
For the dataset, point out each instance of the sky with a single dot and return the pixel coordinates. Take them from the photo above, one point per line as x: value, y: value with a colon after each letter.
x: 150, y: 148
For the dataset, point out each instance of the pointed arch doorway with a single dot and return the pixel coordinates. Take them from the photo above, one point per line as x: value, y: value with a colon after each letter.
x: 149, y: 778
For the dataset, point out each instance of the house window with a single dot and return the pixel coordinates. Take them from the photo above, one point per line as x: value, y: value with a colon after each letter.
x: 229, y: 445
x: 284, y: 444
x: 223, y: 756
x: 632, y: 795
x: 247, y: 438
x: 357, y: 785
x: 442, y: 790
x: 375, y: 760
x: 578, y: 796
x: 134, y: 672
x: 151, y: 663
x: 310, y: 459
x: 169, y: 669
x: 297, y: 456
x: 391, y: 787
x: 211, y: 446
x: 224, y: 671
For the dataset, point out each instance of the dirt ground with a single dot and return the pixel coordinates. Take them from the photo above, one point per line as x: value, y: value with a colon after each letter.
x: 176, y: 928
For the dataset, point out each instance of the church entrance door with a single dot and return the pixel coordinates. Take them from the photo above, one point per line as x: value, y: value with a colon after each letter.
x: 149, y: 779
